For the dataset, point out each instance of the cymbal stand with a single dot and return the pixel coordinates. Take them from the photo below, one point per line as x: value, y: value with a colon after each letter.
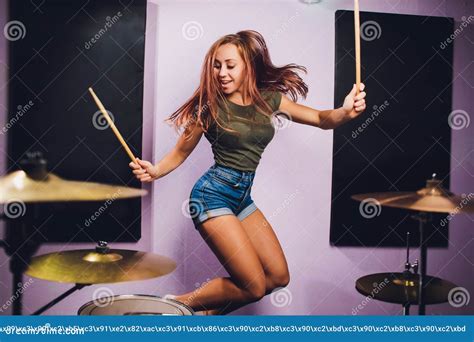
x: 422, y: 218
x: 18, y: 244
x: 77, y: 287
x: 408, y: 267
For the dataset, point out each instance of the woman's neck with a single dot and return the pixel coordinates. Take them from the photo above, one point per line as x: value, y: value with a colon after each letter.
x: 237, y: 98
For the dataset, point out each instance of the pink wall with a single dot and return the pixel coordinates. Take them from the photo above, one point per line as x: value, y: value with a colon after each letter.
x: 293, y: 182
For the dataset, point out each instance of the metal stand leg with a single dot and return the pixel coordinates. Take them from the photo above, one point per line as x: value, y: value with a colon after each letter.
x: 20, y: 247
x: 17, y: 284
x: 58, y: 299
x: 406, y: 309
x: 20, y: 254
x: 422, y: 218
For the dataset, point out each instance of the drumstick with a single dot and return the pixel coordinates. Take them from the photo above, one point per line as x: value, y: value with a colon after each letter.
x: 112, y: 125
x: 357, y: 43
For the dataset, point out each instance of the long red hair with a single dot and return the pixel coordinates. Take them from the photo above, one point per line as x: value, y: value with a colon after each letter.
x: 260, y: 75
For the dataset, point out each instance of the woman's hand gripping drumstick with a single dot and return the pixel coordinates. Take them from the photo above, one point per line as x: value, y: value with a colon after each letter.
x: 357, y: 46
x: 143, y: 170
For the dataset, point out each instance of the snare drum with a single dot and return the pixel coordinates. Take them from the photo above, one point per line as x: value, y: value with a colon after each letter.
x: 142, y: 305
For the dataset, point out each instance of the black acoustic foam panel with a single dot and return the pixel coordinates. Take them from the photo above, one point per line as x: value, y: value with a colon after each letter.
x: 69, y: 46
x: 403, y: 137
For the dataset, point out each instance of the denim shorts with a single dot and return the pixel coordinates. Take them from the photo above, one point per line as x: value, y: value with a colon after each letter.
x: 221, y: 190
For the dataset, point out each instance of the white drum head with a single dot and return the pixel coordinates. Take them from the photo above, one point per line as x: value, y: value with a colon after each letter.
x: 122, y: 305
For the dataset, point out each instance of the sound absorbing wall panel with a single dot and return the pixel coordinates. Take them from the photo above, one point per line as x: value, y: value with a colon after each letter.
x: 67, y: 47
x: 403, y: 137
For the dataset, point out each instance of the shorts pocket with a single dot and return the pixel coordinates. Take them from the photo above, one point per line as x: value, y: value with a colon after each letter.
x: 225, y: 179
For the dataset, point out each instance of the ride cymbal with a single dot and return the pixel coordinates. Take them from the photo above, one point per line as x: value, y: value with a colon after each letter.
x: 89, y: 266
x: 432, y: 198
x: 402, y: 288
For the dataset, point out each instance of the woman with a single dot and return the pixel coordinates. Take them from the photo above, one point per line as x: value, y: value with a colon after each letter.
x: 240, y: 94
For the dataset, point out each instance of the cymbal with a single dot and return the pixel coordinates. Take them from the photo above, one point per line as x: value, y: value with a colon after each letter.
x: 401, y: 288
x: 432, y: 198
x: 18, y: 186
x: 89, y: 266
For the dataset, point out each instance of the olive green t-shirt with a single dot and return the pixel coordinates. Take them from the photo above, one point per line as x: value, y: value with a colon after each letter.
x: 243, y: 152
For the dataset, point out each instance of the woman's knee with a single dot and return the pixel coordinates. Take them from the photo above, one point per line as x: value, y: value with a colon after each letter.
x: 279, y: 280
x: 255, y: 291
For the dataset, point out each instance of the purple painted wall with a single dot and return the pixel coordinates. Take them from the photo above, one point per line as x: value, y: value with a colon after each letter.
x: 293, y: 182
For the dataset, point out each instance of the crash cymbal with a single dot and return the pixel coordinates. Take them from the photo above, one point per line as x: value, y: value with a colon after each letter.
x: 401, y: 288
x: 432, y: 198
x: 18, y: 186
x: 89, y: 266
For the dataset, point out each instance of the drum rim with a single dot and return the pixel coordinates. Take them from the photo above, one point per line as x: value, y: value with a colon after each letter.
x: 138, y: 295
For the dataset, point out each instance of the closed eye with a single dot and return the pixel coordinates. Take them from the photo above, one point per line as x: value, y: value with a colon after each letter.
x: 228, y: 67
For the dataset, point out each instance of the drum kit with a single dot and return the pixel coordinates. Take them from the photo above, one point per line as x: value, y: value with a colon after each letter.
x: 83, y: 267
x: 103, y: 265
x: 413, y: 285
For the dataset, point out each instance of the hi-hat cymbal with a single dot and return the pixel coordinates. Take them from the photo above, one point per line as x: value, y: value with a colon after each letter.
x: 432, y: 198
x: 89, y: 266
x: 18, y: 186
x: 403, y: 288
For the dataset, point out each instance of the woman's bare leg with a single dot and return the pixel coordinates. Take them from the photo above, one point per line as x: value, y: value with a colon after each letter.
x: 229, y: 241
x: 270, y: 255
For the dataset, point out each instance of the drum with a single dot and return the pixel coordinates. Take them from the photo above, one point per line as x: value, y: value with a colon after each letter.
x: 142, y: 305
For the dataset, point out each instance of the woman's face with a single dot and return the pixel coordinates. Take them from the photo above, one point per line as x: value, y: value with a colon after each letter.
x: 229, y: 68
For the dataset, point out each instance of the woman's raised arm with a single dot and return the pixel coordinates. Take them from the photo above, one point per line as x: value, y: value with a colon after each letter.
x: 353, y: 106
